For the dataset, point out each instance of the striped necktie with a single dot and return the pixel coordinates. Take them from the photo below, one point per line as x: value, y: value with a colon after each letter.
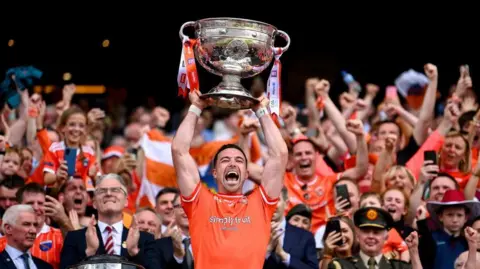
x: 109, y: 242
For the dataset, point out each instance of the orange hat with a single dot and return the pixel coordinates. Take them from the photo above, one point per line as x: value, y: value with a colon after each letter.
x: 113, y: 151
x: 350, y: 162
x: 300, y: 137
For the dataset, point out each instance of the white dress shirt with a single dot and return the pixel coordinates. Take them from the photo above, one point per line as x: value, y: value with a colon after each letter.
x: 16, y: 256
x: 116, y: 233
x: 164, y: 229
x: 365, y: 259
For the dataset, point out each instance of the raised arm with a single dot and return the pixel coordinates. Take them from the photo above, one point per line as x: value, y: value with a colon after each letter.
x: 322, y: 88
x: 185, y: 166
x: 273, y: 174
x: 361, y: 166
x: 420, y: 131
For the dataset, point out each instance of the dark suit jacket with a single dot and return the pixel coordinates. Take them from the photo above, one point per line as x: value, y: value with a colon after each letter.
x: 75, y: 244
x: 300, y: 244
x: 357, y: 263
x: 159, y: 255
x: 7, y: 263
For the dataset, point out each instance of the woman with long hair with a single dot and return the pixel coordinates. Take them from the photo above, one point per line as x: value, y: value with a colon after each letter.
x: 349, y: 246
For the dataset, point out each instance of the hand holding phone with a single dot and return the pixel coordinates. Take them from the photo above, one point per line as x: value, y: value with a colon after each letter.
x: 342, y: 195
x: 62, y: 171
x: 430, y: 155
x: 391, y: 93
x: 333, y: 233
x: 71, y: 159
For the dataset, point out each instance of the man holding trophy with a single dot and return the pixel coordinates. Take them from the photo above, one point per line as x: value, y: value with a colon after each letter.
x: 229, y: 229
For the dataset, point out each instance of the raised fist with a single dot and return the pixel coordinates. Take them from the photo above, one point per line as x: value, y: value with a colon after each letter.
x: 431, y: 71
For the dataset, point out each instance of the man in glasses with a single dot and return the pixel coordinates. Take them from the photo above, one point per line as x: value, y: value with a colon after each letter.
x: 108, y: 235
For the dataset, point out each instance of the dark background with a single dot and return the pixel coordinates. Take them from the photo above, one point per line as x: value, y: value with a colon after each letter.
x: 374, y: 45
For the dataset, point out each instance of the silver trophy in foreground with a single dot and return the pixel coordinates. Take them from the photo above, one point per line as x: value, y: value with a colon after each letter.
x: 234, y: 49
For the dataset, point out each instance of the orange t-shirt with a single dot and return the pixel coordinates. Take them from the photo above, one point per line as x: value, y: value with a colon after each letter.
x: 229, y: 231
x: 56, y: 153
x: 47, y: 246
x: 317, y: 194
x: 394, y: 243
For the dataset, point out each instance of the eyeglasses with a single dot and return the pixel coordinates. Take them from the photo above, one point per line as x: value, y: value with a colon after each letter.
x: 113, y: 190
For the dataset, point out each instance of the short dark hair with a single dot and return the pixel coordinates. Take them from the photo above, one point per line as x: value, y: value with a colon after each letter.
x: 29, y: 188
x: 229, y: 146
x: 476, y: 219
x: 165, y: 191
x: 442, y: 208
x: 442, y: 174
x: 12, y: 182
x: 380, y: 123
x: 466, y: 118
x: 64, y: 185
x: 177, y: 195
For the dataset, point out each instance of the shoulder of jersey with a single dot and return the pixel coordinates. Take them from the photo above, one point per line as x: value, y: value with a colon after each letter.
x: 88, y: 150
x: 56, y: 146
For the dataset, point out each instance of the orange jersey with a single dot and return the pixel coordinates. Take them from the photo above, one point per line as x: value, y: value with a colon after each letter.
x: 229, y: 231
x: 317, y: 194
x: 47, y: 246
x: 56, y: 153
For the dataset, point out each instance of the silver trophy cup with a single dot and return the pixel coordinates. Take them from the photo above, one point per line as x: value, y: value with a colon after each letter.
x: 234, y: 49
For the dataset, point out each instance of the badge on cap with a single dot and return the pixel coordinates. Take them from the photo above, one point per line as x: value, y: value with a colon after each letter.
x: 372, y: 214
x: 124, y: 244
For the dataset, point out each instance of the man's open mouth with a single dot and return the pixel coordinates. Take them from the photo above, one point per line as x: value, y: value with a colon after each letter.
x: 232, y: 176
x: 304, y: 165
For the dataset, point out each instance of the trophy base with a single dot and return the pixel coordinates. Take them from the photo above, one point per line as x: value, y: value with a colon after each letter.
x: 230, y: 94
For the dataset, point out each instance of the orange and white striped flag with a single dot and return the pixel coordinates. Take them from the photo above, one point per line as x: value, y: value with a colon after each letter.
x: 158, y: 171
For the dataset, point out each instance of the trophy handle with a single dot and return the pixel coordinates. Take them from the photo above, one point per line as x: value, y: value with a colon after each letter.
x: 286, y: 37
x: 187, y: 24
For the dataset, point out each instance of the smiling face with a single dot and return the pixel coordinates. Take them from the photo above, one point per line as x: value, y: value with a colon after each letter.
x: 394, y: 202
x: 75, y: 129
x: 110, y: 197
x: 371, y: 240
x: 347, y: 237
x: 304, y: 160
x: 398, y: 177
x: 230, y: 171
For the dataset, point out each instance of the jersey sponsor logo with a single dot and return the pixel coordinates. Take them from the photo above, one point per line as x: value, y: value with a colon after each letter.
x: 230, y: 223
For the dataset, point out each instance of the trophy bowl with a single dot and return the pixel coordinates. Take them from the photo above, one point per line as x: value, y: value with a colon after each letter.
x: 106, y: 261
x: 233, y: 48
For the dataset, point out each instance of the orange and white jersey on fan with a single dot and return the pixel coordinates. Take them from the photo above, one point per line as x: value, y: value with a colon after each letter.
x: 56, y: 153
x: 316, y: 194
